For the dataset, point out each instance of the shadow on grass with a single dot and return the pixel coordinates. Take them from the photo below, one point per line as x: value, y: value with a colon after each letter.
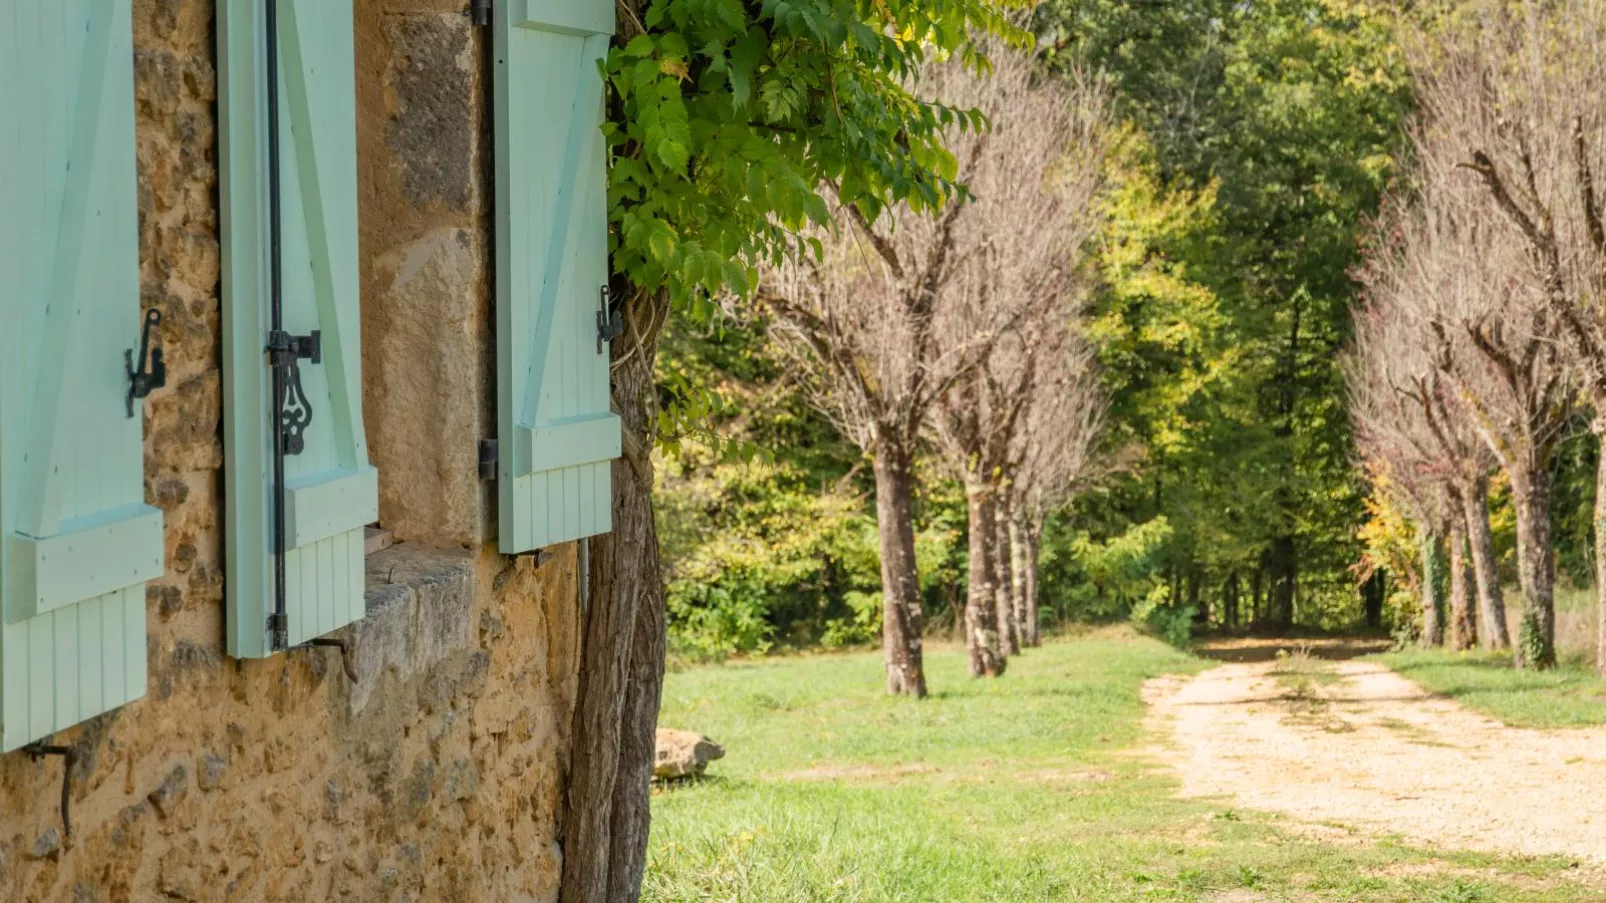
x: 1253, y: 650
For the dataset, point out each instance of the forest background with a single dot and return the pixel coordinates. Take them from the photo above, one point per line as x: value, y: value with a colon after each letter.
x: 1256, y: 142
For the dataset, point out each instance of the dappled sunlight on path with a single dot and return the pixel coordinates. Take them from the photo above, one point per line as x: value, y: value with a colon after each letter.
x: 1365, y: 747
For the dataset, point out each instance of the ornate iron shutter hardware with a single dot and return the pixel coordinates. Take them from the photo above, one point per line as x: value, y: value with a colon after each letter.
x: 293, y: 408
x: 141, y: 380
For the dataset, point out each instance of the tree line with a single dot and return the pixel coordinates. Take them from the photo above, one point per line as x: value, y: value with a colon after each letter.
x: 1481, y: 335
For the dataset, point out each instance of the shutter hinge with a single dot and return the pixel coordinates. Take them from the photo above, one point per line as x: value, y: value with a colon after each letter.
x: 479, y: 12
x: 141, y: 380
x: 294, y: 410
x: 488, y: 459
x: 610, y: 322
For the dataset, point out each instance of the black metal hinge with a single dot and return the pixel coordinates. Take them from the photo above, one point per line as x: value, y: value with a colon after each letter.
x: 293, y: 408
x: 610, y: 322
x: 479, y: 12
x: 141, y: 380
x: 488, y: 459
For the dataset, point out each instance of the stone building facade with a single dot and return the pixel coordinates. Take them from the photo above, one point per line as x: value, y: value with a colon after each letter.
x: 439, y: 772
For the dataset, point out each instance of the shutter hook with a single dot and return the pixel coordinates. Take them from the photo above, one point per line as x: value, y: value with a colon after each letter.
x: 140, y: 380
x: 347, y: 664
x: 610, y: 322
x: 37, y: 751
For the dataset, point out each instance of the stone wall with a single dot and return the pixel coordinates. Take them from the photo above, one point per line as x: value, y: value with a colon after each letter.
x: 438, y: 774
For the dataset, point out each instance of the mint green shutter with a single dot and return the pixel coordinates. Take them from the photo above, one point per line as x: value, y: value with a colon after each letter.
x: 555, y: 431
x: 333, y: 491
x: 79, y: 540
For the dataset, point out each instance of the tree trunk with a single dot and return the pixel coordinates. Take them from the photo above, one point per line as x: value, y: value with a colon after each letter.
x: 1536, y: 570
x: 1373, y: 594
x: 901, y: 617
x: 1201, y: 611
x: 1480, y: 542
x: 1284, y: 578
x: 1600, y: 546
x: 632, y: 811
x: 1229, y: 601
x: 1256, y: 583
x: 1023, y: 562
x: 621, y: 667
x: 1432, y: 588
x: 981, y: 610
x: 1463, y: 623
x: 1003, y: 571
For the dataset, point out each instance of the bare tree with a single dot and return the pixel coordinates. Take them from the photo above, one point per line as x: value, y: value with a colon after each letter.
x: 1511, y: 93
x: 1388, y: 378
x: 1052, y: 455
x: 1465, y: 275
x: 1418, y: 423
x: 1020, y: 285
x: 868, y: 321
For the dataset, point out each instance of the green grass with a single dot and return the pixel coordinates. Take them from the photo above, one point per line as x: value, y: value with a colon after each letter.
x: 1024, y: 789
x: 1569, y: 696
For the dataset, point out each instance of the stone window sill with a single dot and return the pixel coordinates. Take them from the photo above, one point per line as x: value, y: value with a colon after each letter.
x: 420, y: 603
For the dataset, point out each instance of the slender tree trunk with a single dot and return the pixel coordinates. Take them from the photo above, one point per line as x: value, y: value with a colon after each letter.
x: 1024, y: 562
x: 1432, y: 587
x: 1003, y: 572
x: 1284, y: 577
x: 1255, y: 585
x: 621, y: 669
x: 1600, y: 544
x: 1480, y: 543
x: 1201, y: 609
x: 1373, y: 594
x: 1463, y: 623
x: 1229, y: 596
x: 901, y: 617
x: 1536, y: 569
x: 981, y: 610
x: 1034, y: 607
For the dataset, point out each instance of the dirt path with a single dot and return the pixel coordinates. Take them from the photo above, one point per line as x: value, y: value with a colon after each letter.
x: 1372, y: 750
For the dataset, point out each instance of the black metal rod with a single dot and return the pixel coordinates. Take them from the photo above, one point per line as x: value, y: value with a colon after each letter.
x: 278, y: 624
x: 37, y: 751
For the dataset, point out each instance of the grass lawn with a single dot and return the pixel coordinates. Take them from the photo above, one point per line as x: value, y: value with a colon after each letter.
x: 1569, y: 696
x: 1030, y: 788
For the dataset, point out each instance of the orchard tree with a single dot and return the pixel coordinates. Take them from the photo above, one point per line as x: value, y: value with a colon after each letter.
x: 1511, y: 96
x: 905, y: 314
x: 1053, y: 453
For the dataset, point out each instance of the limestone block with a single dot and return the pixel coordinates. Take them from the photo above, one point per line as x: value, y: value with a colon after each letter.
x: 682, y: 754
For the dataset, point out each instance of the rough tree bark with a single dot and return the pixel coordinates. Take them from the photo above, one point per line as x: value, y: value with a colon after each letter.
x: 1480, y: 542
x: 1432, y: 584
x: 1020, y: 563
x: 981, y: 610
x: 1600, y: 547
x: 901, y: 617
x: 1463, y: 632
x: 622, y: 659
x: 1536, y: 571
x: 1009, y: 630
